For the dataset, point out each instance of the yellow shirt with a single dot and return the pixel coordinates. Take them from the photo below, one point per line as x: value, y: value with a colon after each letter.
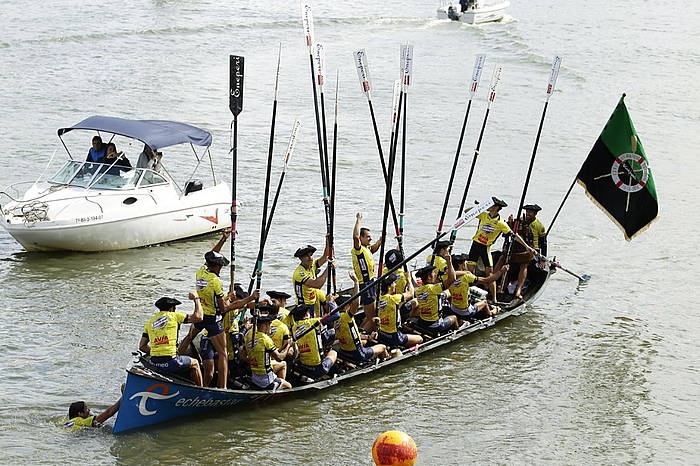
x: 428, y: 297
x: 259, y: 354
x: 78, y: 423
x: 162, y: 330
x: 347, y: 333
x: 230, y: 321
x: 489, y: 229
x: 310, y: 345
x: 305, y: 294
x: 320, y: 299
x: 401, y: 282
x: 209, y: 288
x: 389, y: 312
x: 362, y: 264
x: 538, y: 230
x: 459, y: 291
x: 278, y: 332
x: 440, y: 265
x: 288, y: 320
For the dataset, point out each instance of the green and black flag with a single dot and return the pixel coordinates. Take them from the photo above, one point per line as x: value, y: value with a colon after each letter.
x: 617, y: 176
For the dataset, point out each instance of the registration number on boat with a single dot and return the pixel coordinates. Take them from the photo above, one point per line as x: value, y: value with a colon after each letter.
x: 91, y: 218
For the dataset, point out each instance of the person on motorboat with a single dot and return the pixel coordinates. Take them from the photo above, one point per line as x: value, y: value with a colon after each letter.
x: 428, y: 297
x: 443, y: 248
x: 306, y: 280
x: 97, y: 151
x: 460, y: 302
x: 159, y: 338
x: 352, y: 343
x: 312, y: 358
x: 150, y: 159
x: 466, y: 4
x: 118, y: 159
x: 390, y: 302
x: 80, y: 415
x: 363, y: 265
x: 259, y: 352
x: 533, y: 232
x: 211, y: 291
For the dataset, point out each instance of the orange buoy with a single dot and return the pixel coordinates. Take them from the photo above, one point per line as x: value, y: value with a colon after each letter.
x: 394, y: 448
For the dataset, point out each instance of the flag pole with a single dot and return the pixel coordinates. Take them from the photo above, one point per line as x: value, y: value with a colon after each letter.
x: 363, y: 75
x: 235, y: 104
x: 554, y: 73
x: 308, y: 26
x: 476, y: 78
x: 495, y: 78
x: 566, y: 196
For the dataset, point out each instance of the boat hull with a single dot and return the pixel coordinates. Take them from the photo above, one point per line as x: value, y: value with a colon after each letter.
x: 103, y: 222
x: 151, y: 397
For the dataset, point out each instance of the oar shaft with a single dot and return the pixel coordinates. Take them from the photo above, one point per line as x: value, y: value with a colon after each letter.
x: 402, y: 197
x: 234, y: 203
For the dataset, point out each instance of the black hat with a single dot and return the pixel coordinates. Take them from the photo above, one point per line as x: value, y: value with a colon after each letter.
x: 393, y: 258
x: 300, y: 310
x: 534, y: 207
x: 266, y: 318
x: 216, y: 258
x: 268, y: 308
x: 342, y: 299
x: 166, y: 303
x: 391, y: 278
x: 240, y: 292
x: 498, y: 202
x: 442, y: 244
x: 423, y: 272
x: 278, y: 294
x: 459, y: 258
x: 304, y: 251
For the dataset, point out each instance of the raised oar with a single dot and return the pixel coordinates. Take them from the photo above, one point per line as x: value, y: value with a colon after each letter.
x: 333, y: 179
x: 495, y: 78
x: 461, y: 221
x: 406, y: 72
x: 235, y: 104
x: 308, y: 25
x: 257, y: 270
x: 476, y: 78
x: 396, y: 110
x: 365, y: 84
x: 556, y: 63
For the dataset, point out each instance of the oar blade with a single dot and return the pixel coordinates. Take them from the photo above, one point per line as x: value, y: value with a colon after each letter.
x: 471, y: 214
x: 236, y: 74
x: 406, y: 66
x: 292, y: 143
x: 363, y: 71
x: 479, y: 62
x: 495, y: 79
x: 307, y: 23
x: 553, y: 75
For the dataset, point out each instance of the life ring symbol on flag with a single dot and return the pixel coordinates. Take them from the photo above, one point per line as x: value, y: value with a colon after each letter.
x: 635, y: 184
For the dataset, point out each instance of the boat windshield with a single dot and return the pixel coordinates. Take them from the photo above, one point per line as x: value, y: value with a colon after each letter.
x: 102, y: 176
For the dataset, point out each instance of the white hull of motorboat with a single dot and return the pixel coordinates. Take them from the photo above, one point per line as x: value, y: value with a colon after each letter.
x: 475, y: 15
x: 77, y: 219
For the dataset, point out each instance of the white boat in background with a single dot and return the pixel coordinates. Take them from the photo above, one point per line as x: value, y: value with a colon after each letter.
x: 473, y: 11
x: 88, y: 206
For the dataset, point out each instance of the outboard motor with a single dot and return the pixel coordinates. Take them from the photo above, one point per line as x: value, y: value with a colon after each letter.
x: 452, y: 13
x: 193, y: 186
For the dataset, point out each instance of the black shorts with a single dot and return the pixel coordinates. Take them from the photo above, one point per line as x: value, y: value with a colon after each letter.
x: 212, y: 326
x: 369, y: 295
x: 480, y: 251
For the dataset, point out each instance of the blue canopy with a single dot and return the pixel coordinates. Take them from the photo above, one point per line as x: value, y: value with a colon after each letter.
x: 155, y: 133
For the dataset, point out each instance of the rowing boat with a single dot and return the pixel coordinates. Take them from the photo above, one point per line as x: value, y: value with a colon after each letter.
x: 151, y: 397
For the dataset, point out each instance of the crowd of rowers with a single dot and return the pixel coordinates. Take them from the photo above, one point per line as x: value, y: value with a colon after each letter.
x: 438, y: 297
x: 443, y: 295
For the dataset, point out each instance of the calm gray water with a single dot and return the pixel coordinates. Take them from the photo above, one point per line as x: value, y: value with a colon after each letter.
x: 603, y: 375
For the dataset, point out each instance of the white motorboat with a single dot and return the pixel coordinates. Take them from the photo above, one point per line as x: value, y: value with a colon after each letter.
x: 90, y: 206
x: 473, y: 11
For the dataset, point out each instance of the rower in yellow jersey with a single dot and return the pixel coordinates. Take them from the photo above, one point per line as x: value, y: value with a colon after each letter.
x: 390, y: 302
x: 352, y: 344
x: 309, y: 345
x: 306, y: 280
x: 363, y: 265
x: 443, y: 249
x: 279, y: 299
x: 460, y: 301
x: 535, y: 236
x: 259, y: 352
x: 428, y: 299
x: 79, y: 415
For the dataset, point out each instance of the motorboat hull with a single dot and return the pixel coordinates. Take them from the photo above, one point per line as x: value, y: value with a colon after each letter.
x: 477, y: 15
x: 105, y: 221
